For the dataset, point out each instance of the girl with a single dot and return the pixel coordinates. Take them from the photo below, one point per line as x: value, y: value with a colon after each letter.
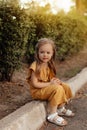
x: 44, y: 85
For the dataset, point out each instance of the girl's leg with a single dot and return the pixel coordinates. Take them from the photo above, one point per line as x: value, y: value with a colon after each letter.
x: 67, y: 90
x: 54, y: 117
x: 55, y: 96
x: 50, y: 109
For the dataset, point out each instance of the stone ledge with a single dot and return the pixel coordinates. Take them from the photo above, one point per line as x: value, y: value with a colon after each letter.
x: 29, y: 117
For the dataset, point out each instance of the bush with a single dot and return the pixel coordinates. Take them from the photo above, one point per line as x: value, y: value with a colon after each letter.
x: 20, y: 31
x: 68, y: 31
x: 72, y: 35
x: 36, y: 31
x: 13, y: 37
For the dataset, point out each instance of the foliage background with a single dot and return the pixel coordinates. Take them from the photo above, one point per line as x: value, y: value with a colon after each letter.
x: 20, y: 30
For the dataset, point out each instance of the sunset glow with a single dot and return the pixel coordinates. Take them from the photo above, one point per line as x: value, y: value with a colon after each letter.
x: 56, y: 5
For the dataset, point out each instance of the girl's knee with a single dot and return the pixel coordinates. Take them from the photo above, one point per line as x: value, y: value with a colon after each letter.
x: 58, y: 89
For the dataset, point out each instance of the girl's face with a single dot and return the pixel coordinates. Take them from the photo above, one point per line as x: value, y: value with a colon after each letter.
x: 45, y: 53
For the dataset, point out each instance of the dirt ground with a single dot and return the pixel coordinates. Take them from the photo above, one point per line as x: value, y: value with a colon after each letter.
x: 15, y: 94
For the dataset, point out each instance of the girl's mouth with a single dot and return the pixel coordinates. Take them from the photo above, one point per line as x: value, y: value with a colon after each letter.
x: 45, y: 58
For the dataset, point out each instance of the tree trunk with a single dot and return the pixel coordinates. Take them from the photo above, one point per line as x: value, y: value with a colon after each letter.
x: 79, y: 6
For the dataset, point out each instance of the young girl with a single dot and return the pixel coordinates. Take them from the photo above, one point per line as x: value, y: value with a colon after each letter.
x: 44, y: 85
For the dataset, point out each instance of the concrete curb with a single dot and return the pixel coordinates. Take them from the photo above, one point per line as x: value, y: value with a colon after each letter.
x: 32, y: 115
x: 78, y: 81
x: 29, y: 117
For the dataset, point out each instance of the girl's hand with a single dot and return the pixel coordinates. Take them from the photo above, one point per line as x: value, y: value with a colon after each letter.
x: 56, y: 81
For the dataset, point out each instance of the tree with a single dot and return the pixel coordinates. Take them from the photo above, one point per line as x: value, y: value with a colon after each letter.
x: 81, y: 6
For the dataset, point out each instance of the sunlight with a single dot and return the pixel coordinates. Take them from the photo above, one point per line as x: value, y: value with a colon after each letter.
x: 64, y: 4
x: 56, y: 5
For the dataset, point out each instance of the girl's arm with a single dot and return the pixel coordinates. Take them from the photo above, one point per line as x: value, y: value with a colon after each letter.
x: 56, y: 80
x: 37, y: 83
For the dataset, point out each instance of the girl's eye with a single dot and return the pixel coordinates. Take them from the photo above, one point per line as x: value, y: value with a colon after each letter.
x: 41, y: 52
x: 44, y: 52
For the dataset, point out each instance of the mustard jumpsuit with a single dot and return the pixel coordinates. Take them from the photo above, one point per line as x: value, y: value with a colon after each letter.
x: 54, y: 94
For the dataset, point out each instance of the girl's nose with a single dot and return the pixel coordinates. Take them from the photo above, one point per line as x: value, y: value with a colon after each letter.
x: 45, y: 54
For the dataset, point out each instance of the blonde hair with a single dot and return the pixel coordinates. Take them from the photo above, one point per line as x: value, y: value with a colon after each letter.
x: 40, y: 43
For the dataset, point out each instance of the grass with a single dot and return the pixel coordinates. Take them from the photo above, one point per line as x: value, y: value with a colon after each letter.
x: 72, y: 66
x: 72, y: 72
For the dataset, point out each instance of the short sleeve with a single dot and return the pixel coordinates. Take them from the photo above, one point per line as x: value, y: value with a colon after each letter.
x: 31, y: 68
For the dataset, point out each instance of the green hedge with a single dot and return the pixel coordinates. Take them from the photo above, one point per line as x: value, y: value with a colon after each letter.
x: 68, y: 31
x: 13, y: 37
x: 20, y: 31
x: 72, y: 35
